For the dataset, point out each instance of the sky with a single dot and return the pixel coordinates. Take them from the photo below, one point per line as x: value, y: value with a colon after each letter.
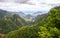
x: 28, y: 5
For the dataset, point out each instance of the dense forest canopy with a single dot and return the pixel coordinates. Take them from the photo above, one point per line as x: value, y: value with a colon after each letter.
x: 47, y: 26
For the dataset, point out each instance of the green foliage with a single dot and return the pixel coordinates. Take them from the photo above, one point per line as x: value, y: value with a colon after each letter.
x: 48, y: 29
x: 52, y: 28
x: 24, y: 32
x: 44, y: 33
x: 54, y: 17
x: 9, y: 23
x: 40, y: 20
x: 49, y: 32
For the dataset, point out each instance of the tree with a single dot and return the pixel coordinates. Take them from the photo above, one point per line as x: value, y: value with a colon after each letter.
x: 24, y: 32
x: 40, y: 20
x: 54, y: 17
x: 52, y: 28
x: 49, y: 32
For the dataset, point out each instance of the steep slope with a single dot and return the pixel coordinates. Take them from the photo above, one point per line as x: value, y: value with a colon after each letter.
x: 10, y: 21
x: 41, y: 18
x: 49, y: 30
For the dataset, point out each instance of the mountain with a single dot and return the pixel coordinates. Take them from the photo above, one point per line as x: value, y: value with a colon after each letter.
x: 29, y: 17
x: 41, y: 19
x: 47, y: 26
x: 32, y: 17
x: 7, y: 13
x: 39, y: 13
x: 3, y: 13
x: 10, y: 21
x: 21, y: 14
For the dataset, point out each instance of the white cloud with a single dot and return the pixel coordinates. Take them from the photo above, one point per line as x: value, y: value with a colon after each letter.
x: 22, y: 7
x: 18, y: 1
x: 44, y: 2
x: 35, y: 2
x: 30, y: 5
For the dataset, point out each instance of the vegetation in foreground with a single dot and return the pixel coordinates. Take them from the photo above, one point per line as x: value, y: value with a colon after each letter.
x: 48, y: 27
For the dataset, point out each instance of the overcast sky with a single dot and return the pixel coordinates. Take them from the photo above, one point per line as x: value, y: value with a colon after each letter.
x: 28, y: 5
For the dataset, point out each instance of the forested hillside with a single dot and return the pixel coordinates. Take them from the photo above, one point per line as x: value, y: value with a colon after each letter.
x: 9, y: 22
x: 41, y: 19
x: 3, y: 13
x: 47, y: 27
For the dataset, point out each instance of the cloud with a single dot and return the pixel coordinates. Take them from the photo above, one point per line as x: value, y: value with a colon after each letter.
x: 21, y: 1
x: 17, y: 1
x: 22, y: 7
x: 45, y: 2
x: 35, y: 2
x: 28, y: 5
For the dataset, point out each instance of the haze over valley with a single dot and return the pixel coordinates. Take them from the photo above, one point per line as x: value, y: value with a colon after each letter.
x: 29, y: 18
